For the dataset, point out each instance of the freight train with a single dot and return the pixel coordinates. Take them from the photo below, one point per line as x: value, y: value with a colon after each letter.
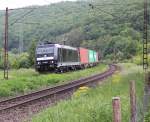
x: 62, y: 58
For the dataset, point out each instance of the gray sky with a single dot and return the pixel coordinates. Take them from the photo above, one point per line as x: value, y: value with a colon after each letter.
x: 22, y: 3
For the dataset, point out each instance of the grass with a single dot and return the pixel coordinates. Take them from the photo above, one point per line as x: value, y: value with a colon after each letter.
x: 25, y: 80
x: 95, y: 105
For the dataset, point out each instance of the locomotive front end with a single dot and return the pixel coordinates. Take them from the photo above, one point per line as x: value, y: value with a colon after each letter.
x: 45, y: 57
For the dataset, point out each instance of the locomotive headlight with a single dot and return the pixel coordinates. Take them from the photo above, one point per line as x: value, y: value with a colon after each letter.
x: 39, y: 62
x: 51, y: 61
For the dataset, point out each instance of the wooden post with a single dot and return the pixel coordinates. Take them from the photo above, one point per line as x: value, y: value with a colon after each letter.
x: 147, y: 78
x: 116, y: 109
x: 147, y: 92
x: 133, y: 101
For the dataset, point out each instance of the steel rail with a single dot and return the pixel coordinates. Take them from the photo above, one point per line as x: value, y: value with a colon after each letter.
x: 34, y: 96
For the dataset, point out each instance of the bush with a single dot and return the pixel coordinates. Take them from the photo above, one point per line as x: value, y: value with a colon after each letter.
x: 23, y: 61
x: 137, y: 60
x: 147, y: 117
x: 1, y: 64
x: 5, y: 91
x: 17, y: 61
x: 1, y: 59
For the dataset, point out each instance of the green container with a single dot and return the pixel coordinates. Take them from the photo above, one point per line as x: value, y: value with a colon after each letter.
x: 95, y: 55
x: 91, y: 56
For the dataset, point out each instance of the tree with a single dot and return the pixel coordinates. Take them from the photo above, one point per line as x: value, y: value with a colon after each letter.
x: 31, y: 52
x: 14, y: 51
x: 24, y: 60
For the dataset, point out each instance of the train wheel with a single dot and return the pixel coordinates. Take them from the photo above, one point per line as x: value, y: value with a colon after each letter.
x: 56, y: 70
x: 61, y: 71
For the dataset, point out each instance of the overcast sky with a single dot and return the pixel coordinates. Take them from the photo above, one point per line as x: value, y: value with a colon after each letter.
x: 22, y: 3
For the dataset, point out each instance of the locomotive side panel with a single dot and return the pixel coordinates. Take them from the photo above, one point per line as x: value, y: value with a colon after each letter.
x: 68, y: 56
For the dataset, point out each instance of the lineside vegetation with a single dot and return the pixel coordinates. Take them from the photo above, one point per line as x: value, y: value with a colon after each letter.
x: 95, y: 105
x: 24, y: 80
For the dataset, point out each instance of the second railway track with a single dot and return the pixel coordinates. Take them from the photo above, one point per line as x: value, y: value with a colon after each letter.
x: 23, y: 100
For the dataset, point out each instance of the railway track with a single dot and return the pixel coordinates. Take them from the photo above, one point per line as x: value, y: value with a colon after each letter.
x: 27, y: 99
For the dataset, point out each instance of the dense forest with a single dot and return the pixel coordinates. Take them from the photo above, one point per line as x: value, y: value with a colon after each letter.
x: 112, y: 27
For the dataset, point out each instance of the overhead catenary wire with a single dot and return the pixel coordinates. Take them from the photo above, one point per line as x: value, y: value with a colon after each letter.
x: 101, y: 10
x: 31, y: 23
x: 94, y: 5
x: 112, y: 4
x: 32, y: 9
x: 91, y: 5
x: 21, y: 17
x: 13, y: 13
x: 104, y: 11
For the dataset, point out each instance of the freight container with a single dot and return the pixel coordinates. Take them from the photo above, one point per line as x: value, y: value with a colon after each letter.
x: 95, y: 56
x: 84, y: 55
x: 91, y: 56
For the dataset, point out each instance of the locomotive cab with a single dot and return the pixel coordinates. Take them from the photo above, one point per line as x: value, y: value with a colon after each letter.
x: 45, y: 57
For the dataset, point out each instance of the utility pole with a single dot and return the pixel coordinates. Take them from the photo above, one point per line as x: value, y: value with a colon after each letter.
x: 21, y: 39
x: 145, y: 52
x: 6, y: 46
x: 145, y: 59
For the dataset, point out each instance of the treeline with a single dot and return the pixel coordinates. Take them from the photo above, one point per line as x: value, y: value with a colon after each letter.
x: 19, y: 60
x: 113, y: 28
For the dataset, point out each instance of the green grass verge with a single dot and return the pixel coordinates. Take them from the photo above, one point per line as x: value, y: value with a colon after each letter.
x: 147, y: 116
x: 25, y: 80
x: 95, y: 105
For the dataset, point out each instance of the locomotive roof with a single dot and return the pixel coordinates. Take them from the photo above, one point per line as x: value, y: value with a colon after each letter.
x: 58, y: 45
x: 65, y: 47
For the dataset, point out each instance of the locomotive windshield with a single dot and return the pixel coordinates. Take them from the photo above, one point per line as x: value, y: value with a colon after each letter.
x: 45, y: 50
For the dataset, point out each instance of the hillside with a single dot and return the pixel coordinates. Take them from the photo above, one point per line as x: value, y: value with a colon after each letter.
x: 112, y: 27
